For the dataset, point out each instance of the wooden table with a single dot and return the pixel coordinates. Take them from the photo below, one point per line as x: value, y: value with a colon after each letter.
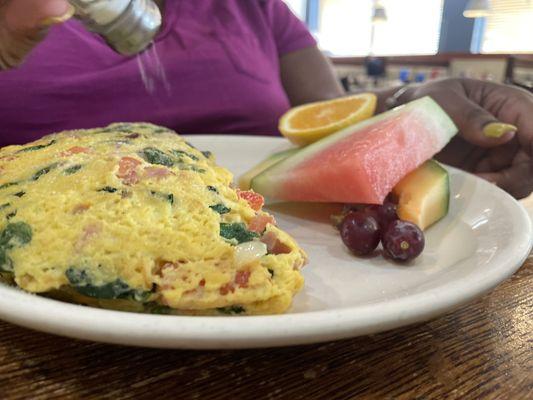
x: 481, y: 351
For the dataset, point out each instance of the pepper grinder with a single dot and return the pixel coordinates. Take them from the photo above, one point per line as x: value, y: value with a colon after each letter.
x: 128, y: 26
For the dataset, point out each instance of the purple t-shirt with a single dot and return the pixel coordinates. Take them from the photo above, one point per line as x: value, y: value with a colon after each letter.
x: 220, y: 60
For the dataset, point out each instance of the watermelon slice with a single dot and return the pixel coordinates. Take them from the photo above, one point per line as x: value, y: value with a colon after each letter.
x: 246, y: 180
x: 362, y: 163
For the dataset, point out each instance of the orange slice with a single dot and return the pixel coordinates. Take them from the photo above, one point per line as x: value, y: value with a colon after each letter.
x: 311, y: 122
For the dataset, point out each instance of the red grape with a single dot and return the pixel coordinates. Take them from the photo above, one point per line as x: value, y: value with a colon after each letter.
x: 387, y: 213
x: 373, y: 211
x: 360, y: 232
x: 384, y: 214
x: 403, y: 241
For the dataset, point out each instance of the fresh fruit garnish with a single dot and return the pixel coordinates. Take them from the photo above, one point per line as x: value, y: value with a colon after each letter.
x: 384, y: 214
x: 311, y: 122
x: 362, y: 163
x: 360, y: 233
x: 246, y: 179
x: 424, y: 195
x: 403, y: 241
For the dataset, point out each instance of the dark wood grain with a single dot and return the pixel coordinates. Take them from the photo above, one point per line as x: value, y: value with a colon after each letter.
x: 481, y: 351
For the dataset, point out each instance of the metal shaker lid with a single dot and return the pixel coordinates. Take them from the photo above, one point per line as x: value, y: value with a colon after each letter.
x: 129, y: 26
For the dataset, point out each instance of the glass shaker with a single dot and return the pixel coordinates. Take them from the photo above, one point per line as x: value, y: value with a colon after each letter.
x: 128, y: 26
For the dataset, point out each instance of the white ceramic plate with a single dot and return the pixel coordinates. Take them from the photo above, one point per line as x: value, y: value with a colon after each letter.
x: 484, y: 239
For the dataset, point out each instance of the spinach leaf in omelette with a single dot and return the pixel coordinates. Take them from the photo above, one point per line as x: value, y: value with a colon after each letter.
x: 35, y: 177
x: 43, y: 171
x: 162, y: 130
x: 123, y: 128
x: 14, y: 235
x: 155, y: 308
x: 108, y: 189
x: 37, y: 147
x: 6, y: 264
x: 72, y: 170
x: 188, y: 167
x: 169, y: 197
x: 206, y: 154
x: 236, y: 232
x: 8, y: 184
x: 231, y: 310
x: 181, y: 153
x: 220, y: 208
x: 156, y: 156
x: 82, y: 282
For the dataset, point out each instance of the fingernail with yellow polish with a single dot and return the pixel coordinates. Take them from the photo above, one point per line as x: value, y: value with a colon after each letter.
x: 45, y: 23
x: 498, y: 129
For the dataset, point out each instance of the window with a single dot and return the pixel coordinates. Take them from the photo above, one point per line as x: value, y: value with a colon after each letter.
x: 298, y: 7
x: 412, y: 27
x: 404, y: 32
x: 509, y: 28
x: 344, y: 27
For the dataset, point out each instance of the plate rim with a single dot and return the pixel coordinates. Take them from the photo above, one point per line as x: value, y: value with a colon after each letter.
x: 201, y: 332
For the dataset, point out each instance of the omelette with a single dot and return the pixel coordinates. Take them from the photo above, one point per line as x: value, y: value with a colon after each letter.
x: 132, y: 217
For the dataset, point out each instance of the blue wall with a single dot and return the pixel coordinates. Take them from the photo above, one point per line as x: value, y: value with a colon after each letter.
x: 456, y: 31
x: 312, y: 17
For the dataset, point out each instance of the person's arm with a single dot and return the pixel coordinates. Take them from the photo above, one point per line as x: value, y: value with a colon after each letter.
x: 23, y: 23
x: 308, y: 76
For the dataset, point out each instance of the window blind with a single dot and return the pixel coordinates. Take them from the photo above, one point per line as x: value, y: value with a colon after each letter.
x: 412, y: 27
x: 509, y: 27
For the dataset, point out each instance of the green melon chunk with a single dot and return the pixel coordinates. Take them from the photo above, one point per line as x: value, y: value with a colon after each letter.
x: 424, y: 195
x: 246, y: 179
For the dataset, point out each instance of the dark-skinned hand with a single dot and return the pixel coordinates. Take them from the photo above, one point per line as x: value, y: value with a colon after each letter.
x: 496, y: 130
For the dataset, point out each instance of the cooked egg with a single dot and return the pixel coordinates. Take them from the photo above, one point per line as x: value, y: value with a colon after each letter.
x: 132, y: 217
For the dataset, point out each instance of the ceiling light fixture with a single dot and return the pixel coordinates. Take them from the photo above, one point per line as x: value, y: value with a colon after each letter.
x: 477, y: 8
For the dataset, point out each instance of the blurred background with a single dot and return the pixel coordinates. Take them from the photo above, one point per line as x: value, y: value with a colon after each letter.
x: 380, y: 43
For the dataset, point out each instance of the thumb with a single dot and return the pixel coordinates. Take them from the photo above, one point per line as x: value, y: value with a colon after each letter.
x: 476, y: 125
x: 23, y: 23
x: 29, y: 15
